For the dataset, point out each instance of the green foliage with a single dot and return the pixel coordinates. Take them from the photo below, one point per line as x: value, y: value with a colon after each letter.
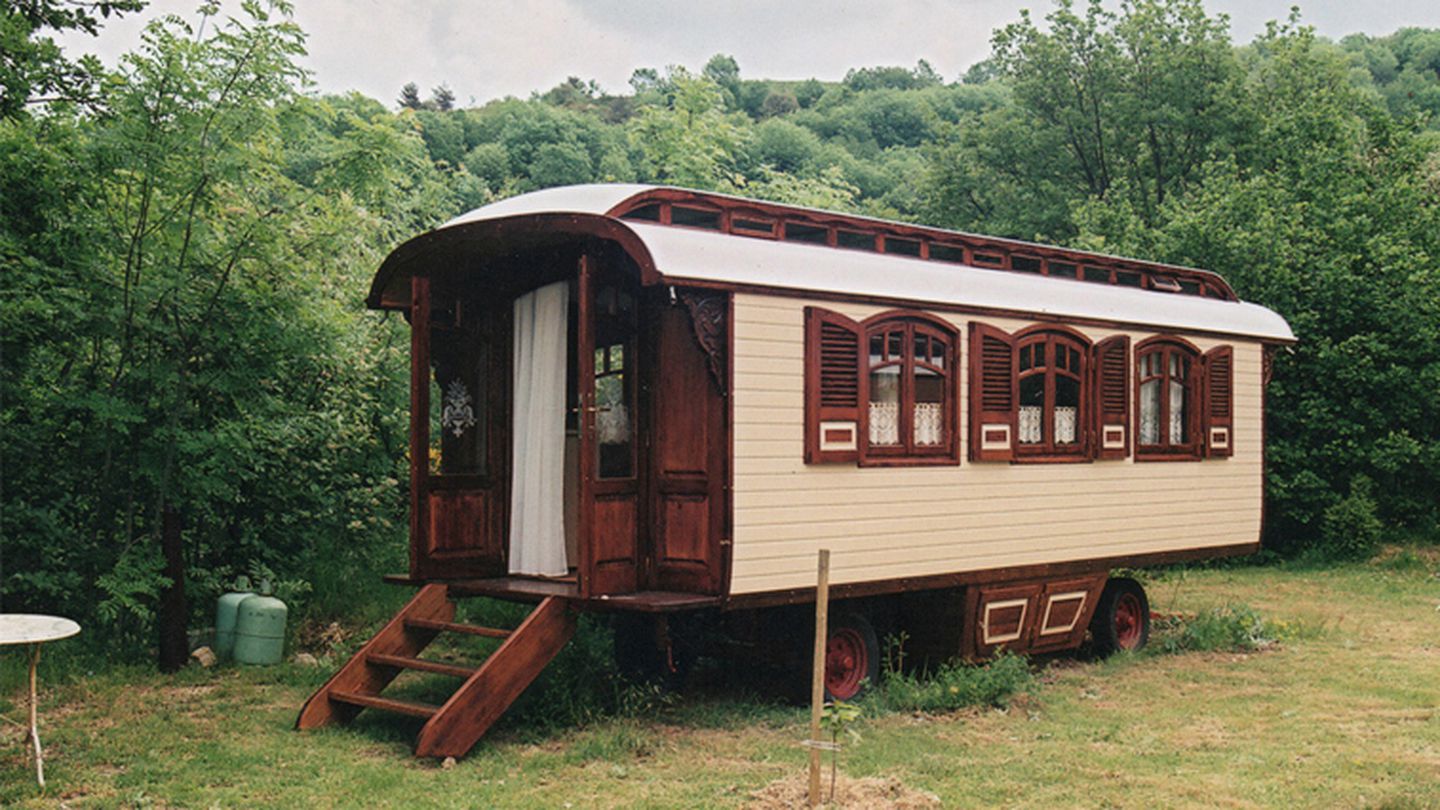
x: 951, y: 686
x: 1232, y: 628
x: 183, y: 329
x: 1145, y: 133
x: 32, y: 67
x: 1350, y: 528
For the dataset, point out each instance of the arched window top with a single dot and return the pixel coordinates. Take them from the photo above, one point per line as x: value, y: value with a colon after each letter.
x: 914, y: 316
x: 1041, y: 330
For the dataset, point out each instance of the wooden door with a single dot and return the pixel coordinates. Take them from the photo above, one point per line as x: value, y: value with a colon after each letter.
x: 610, y: 430
x: 459, y: 433
x: 690, y: 447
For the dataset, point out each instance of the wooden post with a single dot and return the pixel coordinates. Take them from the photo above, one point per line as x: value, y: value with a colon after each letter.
x: 35, y: 718
x: 817, y: 675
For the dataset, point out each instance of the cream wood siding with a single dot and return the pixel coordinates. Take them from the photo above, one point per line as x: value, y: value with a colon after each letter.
x: 889, y: 522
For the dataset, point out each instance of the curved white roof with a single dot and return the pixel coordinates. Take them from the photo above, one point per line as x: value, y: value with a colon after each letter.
x: 681, y: 254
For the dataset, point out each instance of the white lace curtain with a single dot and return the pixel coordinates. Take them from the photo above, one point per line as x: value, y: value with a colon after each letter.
x: 1032, y: 420
x: 885, y: 423
x: 537, y: 516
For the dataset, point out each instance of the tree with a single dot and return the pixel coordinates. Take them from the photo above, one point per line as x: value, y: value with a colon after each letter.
x: 688, y: 139
x: 410, y: 97
x: 181, y: 338
x: 442, y: 98
x: 32, y: 67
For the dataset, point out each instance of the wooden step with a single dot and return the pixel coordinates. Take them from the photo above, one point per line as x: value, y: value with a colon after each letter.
x: 407, y: 662
x: 411, y: 707
x: 455, y: 627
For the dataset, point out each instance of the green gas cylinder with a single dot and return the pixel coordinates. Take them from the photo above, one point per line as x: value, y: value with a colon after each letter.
x: 226, y: 610
x: 260, y: 629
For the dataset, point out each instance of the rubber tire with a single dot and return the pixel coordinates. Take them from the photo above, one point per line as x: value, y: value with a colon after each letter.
x: 851, y: 622
x: 1104, y: 629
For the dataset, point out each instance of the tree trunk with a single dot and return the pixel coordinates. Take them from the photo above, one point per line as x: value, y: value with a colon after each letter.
x: 174, y: 644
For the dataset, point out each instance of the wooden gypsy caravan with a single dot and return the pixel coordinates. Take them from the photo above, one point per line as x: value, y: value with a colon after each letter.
x: 663, y: 402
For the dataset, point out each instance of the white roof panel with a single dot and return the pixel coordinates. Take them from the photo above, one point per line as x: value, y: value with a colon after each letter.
x: 589, y: 199
x: 681, y: 253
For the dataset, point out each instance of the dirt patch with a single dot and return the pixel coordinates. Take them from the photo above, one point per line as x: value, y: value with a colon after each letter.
x: 874, y: 792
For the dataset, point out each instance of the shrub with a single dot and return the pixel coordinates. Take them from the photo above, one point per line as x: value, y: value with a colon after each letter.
x: 1351, y: 528
x: 952, y: 686
x: 1232, y: 628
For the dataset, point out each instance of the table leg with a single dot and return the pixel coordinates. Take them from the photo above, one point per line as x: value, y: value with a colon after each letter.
x: 34, y: 717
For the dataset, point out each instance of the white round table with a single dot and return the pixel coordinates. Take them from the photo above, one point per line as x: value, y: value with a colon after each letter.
x: 33, y: 630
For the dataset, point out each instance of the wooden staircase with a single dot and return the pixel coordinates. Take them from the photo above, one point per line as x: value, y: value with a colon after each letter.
x: 485, y: 693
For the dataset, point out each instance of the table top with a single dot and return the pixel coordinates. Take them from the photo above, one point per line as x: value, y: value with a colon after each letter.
x: 30, y: 628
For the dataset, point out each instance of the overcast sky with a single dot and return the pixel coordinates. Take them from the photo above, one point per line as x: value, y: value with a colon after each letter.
x: 486, y: 49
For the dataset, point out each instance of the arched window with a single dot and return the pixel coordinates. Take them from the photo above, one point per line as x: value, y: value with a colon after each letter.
x: 1052, y: 373
x: 1167, y: 378
x: 909, y: 388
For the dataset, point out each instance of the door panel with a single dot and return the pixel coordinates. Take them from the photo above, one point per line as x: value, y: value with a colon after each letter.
x: 610, y: 430
x: 459, y: 434
x: 689, y: 456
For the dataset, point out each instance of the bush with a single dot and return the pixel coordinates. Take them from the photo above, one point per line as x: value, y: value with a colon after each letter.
x: 952, y: 686
x: 1350, y: 528
x: 1232, y: 628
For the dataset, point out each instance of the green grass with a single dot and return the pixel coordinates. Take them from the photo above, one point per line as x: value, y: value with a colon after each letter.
x: 1342, y: 711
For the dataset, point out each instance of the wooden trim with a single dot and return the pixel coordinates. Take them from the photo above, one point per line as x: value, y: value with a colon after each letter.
x: 797, y: 596
x: 907, y: 454
x: 419, y: 419
x: 446, y: 250
x: 841, y: 410
x: 1002, y: 411
x: 1194, y: 449
x: 883, y: 228
x: 1105, y: 367
x: 585, y: 395
x: 1218, y: 407
x: 1047, y: 451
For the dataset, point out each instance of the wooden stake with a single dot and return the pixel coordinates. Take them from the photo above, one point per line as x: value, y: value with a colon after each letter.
x: 35, y: 719
x: 817, y: 675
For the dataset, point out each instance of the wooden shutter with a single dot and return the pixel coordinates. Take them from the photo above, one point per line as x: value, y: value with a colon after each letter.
x: 1218, y: 412
x: 832, y: 387
x: 1112, y: 397
x: 993, y: 394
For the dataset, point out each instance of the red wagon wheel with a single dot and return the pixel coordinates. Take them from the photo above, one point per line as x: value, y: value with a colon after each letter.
x: 852, y: 657
x: 1122, y: 617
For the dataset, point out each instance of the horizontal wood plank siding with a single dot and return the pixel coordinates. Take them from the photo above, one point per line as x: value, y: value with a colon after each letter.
x: 892, y: 522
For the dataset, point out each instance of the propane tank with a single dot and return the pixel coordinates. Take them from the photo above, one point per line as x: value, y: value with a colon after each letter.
x: 260, y: 628
x: 226, y: 610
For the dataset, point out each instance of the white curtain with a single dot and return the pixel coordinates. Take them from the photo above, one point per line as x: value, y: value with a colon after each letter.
x: 537, y: 514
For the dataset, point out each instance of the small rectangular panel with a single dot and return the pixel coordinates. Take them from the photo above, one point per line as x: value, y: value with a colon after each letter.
x: 457, y: 522
x: 1065, y: 608
x: 686, y: 527
x: 995, y: 437
x: 1002, y: 616
x: 1219, y: 438
x: 1004, y: 621
x: 1062, y: 612
x: 614, y: 528
x: 1114, y: 437
x: 838, y: 436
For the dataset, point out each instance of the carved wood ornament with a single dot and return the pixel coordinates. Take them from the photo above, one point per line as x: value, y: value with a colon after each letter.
x: 707, y: 318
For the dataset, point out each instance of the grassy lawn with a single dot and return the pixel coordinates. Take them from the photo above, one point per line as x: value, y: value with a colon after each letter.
x: 1344, y: 713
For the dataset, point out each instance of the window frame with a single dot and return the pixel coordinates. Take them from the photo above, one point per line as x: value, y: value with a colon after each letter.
x: 1167, y: 346
x: 907, y: 453
x: 1051, y: 335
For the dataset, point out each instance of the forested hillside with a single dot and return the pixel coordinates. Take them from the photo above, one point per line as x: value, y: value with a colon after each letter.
x: 186, y: 242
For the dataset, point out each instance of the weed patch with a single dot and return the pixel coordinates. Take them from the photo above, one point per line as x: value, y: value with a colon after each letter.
x: 1232, y: 628
x: 951, y: 686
